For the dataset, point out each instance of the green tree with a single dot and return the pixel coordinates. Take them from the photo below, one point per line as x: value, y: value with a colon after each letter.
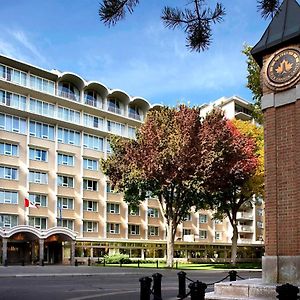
x: 196, y: 18
x: 230, y: 176
x: 253, y: 83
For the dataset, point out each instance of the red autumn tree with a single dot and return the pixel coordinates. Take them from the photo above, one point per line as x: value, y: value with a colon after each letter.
x: 231, y: 162
x: 165, y: 160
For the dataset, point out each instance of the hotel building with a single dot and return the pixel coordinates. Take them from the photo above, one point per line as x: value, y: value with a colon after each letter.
x: 54, y: 128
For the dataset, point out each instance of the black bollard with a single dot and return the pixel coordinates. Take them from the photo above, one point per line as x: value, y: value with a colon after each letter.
x: 157, y: 286
x: 145, y: 288
x: 181, y: 284
x: 89, y: 261
x: 5, y: 263
x: 232, y: 275
x: 43, y: 263
x: 287, y: 292
x: 76, y: 263
x: 23, y: 262
x: 121, y: 262
x: 138, y: 263
x: 157, y: 264
x: 103, y: 262
x: 197, y: 290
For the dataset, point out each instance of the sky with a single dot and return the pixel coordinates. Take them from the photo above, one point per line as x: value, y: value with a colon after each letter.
x: 139, y: 55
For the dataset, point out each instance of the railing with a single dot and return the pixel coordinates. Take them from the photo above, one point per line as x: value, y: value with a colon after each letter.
x: 135, y: 116
x: 115, y: 110
x: 68, y: 95
x: 245, y: 228
x: 89, y: 100
x: 244, y: 215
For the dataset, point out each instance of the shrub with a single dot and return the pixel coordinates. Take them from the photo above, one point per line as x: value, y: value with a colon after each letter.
x: 117, y: 258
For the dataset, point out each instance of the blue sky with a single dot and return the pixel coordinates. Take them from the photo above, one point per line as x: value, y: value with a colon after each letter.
x: 138, y: 55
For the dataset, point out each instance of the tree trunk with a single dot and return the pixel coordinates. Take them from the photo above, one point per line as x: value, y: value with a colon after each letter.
x: 234, y: 244
x: 170, y: 245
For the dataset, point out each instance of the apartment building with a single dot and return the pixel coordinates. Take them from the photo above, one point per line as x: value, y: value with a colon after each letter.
x: 54, y: 128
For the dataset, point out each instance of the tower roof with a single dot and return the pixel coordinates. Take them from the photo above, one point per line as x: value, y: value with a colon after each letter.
x: 285, y: 26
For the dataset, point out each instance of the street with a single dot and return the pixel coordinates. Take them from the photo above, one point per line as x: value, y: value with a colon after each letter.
x: 49, y: 283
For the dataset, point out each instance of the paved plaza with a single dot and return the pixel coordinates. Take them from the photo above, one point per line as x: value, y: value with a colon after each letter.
x: 78, y: 283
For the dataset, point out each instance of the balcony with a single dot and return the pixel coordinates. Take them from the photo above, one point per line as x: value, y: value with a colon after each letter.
x: 92, y: 101
x: 69, y: 95
x: 245, y: 241
x: 135, y: 116
x: 115, y: 110
x: 245, y: 228
x: 244, y: 215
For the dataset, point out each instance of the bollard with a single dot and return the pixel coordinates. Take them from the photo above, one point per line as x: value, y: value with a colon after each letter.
x: 157, y: 264
x: 157, y: 286
x: 121, y: 261
x: 5, y: 263
x: 232, y: 275
x: 181, y: 284
x: 176, y: 265
x: 89, y: 261
x: 287, y: 292
x: 197, y: 290
x: 138, y: 263
x: 23, y: 262
x: 76, y: 263
x: 43, y: 263
x: 145, y: 288
x: 103, y: 262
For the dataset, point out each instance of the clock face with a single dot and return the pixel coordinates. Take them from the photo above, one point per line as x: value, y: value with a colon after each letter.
x: 284, y: 67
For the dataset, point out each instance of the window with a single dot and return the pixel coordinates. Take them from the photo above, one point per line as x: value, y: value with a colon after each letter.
x: 89, y: 226
x: 113, y: 228
x: 40, y: 200
x: 13, y: 100
x: 13, y: 75
x: 90, y: 164
x: 90, y: 205
x: 153, y: 231
x: 64, y: 159
x: 9, y: 149
x: 109, y: 188
x: 38, y: 222
x: 42, y: 84
x: 41, y: 130
x: 8, y: 173
x: 68, y: 90
x: 65, y: 181
x: 13, y: 124
x: 90, y: 185
x: 65, y: 203
x: 115, y: 127
x: 41, y: 108
x: 218, y: 221
x: 218, y: 235
x: 67, y: 223
x: 114, y: 106
x: 92, y: 121
x: 67, y: 136
x: 92, y: 142
x: 92, y: 98
x: 108, y: 147
x: 131, y: 132
x: 188, y: 217
x: 134, y: 210
x: 38, y: 177
x: 203, y: 218
x: 260, y: 224
x: 8, y: 221
x: 38, y: 154
x: 69, y: 115
x: 8, y: 197
x: 153, y: 212
x: 260, y: 212
x: 134, y: 113
x: 203, y: 234
x: 113, y: 208
x: 187, y: 231
x: 133, y: 229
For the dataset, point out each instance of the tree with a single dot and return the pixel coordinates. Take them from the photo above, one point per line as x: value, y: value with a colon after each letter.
x: 232, y: 170
x: 253, y: 84
x: 195, y: 19
x: 165, y: 160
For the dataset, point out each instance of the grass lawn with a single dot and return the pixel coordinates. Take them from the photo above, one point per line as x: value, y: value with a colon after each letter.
x: 192, y: 266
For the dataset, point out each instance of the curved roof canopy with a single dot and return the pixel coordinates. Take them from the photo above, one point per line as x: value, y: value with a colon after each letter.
x: 284, y: 27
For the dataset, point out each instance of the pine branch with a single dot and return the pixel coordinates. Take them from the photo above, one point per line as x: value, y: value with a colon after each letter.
x: 112, y: 11
x: 268, y: 8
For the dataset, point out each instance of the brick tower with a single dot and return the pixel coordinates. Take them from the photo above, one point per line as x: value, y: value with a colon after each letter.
x: 278, y: 53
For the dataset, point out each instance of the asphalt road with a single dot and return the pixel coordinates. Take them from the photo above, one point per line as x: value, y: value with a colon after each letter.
x: 98, y: 283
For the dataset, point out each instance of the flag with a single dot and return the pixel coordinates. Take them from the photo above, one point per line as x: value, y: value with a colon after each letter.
x: 28, y: 203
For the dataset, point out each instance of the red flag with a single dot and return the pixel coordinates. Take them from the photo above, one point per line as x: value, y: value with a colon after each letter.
x: 28, y: 203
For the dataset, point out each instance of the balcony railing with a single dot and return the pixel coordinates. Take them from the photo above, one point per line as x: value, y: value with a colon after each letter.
x: 135, y: 116
x: 89, y: 100
x: 68, y: 95
x: 245, y: 228
x: 244, y: 215
x: 115, y: 110
x: 245, y: 241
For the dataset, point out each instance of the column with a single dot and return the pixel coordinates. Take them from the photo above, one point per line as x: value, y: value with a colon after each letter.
x: 4, y: 250
x: 72, y: 258
x: 41, y: 252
